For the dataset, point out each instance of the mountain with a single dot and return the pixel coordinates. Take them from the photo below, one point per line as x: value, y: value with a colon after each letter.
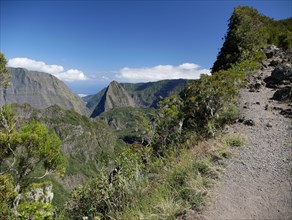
x: 40, y: 90
x: 114, y: 96
x: 87, y: 143
x: 143, y: 94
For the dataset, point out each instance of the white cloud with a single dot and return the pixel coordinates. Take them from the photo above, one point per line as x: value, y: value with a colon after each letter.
x: 105, y: 78
x: 71, y: 75
x: 160, y: 72
x: 82, y: 95
x: 56, y: 70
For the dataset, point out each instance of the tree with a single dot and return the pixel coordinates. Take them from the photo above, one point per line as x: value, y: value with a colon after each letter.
x: 168, y: 125
x: 27, y: 152
x: 3, y: 71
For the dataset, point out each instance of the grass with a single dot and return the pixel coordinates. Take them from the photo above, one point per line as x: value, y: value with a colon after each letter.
x: 234, y: 141
x: 180, y: 184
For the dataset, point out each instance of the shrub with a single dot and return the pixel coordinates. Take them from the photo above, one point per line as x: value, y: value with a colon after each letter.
x: 35, y: 210
x: 202, y: 167
x: 228, y: 114
x: 178, y: 178
x: 207, y: 98
x: 7, y: 195
x: 234, y: 141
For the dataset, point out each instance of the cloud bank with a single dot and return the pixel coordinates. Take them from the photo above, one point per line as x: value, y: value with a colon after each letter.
x: 56, y: 70
x: 160, y: 72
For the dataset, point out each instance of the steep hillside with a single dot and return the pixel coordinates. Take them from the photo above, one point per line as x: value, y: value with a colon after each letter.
x: 87, y: 143
x: 40, y: 90
x: 126, y: 120
x: 248, y: 33
x: 144, y: 94
x: 93, y: 100
x: 114, y: 96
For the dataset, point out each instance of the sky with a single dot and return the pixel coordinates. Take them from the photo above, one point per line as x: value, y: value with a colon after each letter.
x: 87, y: 44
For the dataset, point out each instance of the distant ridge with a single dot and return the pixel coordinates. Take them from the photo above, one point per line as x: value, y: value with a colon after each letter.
x: 143, y: 94
x: 40, y: 90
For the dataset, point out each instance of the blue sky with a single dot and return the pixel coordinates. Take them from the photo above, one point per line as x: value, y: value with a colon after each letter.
x: 89, y: 43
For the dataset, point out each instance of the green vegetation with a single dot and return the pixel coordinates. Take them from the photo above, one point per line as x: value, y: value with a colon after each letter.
x: 174, y: 166
x: 7, y: 195
x: 208, y: 101
x: 162, y: 177
x: 177, y: 149
x: 149, y: 94
x: 162, y: 188
x: 234, y: 141
x: 126, y: 121
x: 88, y: 145
x: 4, y: 76
x: 35, y: 210
x: 144, y: 94
x: 24, y: 152
x: 247, y: 34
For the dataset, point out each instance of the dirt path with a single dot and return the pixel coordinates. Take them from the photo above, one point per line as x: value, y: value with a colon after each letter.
x: 258, y: 183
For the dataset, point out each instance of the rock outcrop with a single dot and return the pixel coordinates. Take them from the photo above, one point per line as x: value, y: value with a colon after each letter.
x: 279, y: 63
x: 40, y: 90
x: 114, y: 96
x: 283, y: 94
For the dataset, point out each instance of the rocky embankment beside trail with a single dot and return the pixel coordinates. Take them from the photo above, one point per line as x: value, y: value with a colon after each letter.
x: 257, y: 183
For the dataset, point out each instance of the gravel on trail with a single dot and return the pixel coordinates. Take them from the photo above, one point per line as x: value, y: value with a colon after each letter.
x: 257, y: 184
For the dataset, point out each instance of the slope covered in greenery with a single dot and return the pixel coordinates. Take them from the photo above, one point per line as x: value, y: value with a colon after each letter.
x: 127, y: 121
x: 248, y: 33
x: 87, y: 144
x: 180, y: 127
x: 171, y: 167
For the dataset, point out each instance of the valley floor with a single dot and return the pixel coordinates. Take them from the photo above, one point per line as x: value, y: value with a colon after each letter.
x: 257, y: 184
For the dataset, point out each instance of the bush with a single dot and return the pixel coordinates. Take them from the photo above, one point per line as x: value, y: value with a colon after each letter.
x: 234, y: 141
x: 35, y: 210
x: 202, y: 167
x: 7, y: 195
x: 178, y: 178
x: 207, y: 98
x: 109, y: 193
x: 228, y: 114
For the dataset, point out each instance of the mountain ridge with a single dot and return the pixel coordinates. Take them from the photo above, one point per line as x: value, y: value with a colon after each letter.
x: 40, y: 90
x: 144, y: 94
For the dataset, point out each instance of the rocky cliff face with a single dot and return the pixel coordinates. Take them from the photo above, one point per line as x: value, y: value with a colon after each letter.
x: 114, y: 96
x: 40, y: 90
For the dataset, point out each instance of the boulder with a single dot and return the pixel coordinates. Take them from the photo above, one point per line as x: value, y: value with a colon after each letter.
x: 275, y: 62
x: 270, y: 51
x: 249, y: 122
x: 282, y: 72
x: 283, y: 94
